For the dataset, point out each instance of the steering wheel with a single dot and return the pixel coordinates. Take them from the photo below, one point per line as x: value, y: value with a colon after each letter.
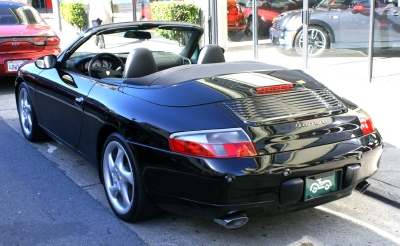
x: 104, y: 72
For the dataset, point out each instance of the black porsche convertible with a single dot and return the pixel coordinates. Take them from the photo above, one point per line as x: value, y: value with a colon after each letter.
x: 172, y: 126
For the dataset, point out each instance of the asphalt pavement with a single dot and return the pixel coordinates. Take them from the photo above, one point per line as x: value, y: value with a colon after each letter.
x: 40, y: 205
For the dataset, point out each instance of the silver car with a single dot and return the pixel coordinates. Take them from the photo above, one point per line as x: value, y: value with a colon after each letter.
x: 338, y: 24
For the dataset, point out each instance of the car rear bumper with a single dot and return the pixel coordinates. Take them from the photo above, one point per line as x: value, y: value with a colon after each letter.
x: 5, y: 58
x: 282, y: 39
x: 211, y: 188
x: 264, y: 208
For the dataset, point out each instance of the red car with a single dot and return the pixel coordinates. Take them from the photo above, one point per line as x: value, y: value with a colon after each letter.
x: 24, y: 35
x: 236, y: 20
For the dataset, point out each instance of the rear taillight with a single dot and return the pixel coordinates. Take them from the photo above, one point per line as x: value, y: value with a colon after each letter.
x: 366, y: 123
x: 53, y: 41
x: 39, y: 41
x: 367, y: 126
x: 223, y: 143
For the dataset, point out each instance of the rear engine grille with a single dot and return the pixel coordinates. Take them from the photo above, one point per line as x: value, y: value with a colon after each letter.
x: 287, y: 106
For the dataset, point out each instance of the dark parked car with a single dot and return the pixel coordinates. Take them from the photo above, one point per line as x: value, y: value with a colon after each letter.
x: 338, y: 24
x: 24, y: 35
x: 174, y: 127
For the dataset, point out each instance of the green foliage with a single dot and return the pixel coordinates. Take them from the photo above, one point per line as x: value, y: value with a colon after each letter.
x: 73, y: 13
x: 174, y: 11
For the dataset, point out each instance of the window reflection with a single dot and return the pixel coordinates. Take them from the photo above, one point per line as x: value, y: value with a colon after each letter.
x: 22, y: 15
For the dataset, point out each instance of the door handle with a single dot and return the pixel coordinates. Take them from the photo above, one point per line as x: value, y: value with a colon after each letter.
x: 79, y: 101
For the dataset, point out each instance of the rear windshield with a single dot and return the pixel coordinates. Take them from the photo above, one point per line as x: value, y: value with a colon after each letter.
x: 16, y: 13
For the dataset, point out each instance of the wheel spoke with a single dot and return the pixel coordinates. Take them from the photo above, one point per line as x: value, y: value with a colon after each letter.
x: 25, y: 97
x: 28, y: 108
x: 313, y: 35
x: 29, y: 122
x: 113, y: 191
x: 125, y: 195
x: 320, y: 44
x: 310, y: 49
x: 127, y: 176
x: 111, y: 164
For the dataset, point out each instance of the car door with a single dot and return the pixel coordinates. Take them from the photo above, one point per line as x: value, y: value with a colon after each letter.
x: 387, y: 24
x: 354, y: 26
x: 60, y: 97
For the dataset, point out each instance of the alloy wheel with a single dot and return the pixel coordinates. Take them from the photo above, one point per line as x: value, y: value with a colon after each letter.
x: 118, y: 177
x: 25, y: 112
x: 317, y: 42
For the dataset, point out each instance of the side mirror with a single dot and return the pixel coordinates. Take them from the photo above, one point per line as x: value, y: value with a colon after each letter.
x: 46, y: 62
x: 357, y: 8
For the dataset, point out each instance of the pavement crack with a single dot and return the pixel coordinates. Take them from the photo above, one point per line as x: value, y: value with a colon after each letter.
x: 91, y: 185
x: 391, y: 185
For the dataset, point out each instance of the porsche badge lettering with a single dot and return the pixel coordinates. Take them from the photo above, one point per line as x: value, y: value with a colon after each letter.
x: 312, y: 123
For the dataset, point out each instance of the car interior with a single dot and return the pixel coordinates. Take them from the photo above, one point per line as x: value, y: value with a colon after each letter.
x: 142, y: 60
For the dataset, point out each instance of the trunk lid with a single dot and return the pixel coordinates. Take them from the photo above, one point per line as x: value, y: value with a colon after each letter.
x: 281, y: 110
x: 16, y: 39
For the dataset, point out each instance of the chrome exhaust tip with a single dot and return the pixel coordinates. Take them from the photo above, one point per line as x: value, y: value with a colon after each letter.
x: 362, y: 186
x: 232, y: 221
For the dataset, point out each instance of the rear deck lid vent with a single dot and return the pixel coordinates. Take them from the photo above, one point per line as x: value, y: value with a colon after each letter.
x: 287, y: 106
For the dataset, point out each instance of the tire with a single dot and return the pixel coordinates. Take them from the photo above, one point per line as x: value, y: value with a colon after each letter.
x: 27, y: 116
x: 318, y: 41
x: 123, y: 183
x: 314, y: 188
x: 249, y: 27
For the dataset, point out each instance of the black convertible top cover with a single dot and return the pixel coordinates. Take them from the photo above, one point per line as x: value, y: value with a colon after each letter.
x: 184, y: 73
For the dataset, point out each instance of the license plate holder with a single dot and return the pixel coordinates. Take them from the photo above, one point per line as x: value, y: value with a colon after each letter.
x: 12, y: 66
x: 322, y: 184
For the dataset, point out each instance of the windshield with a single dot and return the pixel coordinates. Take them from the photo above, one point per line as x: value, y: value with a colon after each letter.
x: 334, y: 4
x: 124, y: 41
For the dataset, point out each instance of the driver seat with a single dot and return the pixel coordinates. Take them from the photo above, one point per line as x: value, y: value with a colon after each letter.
x: 140, y: 62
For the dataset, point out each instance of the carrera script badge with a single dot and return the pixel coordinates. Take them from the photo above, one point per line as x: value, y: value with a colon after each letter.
x: 311, y: 123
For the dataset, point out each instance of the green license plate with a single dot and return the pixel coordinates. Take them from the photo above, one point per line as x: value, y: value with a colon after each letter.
x: 323, y: 183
